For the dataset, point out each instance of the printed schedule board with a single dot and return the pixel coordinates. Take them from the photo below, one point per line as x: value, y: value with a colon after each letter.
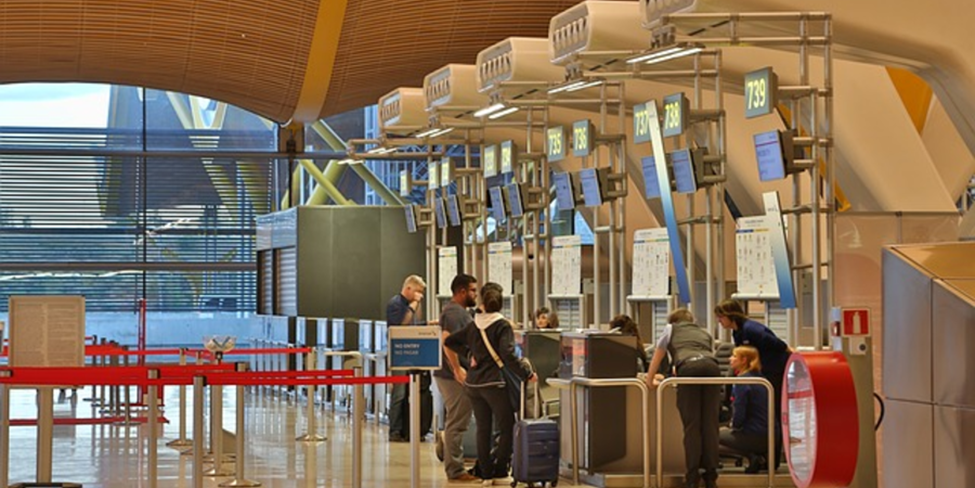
x: 756, y: 268
x: 47, y: 331
x: 446, y: 269
x: 414, y: 347
x: 567, y: 265
x: 499, y: 265
x: 651, y: 263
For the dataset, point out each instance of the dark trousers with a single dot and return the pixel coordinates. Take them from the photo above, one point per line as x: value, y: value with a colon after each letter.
x: 699, y: 406
x: 492, y: 406
x: 744, y: 443
x: 399, y: 408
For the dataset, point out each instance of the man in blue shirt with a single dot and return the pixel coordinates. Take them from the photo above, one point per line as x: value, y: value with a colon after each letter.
x: 405, y: 309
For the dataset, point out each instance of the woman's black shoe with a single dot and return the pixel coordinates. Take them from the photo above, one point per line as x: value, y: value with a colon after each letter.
x: 756, y: 464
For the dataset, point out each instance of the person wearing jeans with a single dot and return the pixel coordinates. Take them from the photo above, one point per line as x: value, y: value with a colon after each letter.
x: 451, y: 378
x: 491, y: 344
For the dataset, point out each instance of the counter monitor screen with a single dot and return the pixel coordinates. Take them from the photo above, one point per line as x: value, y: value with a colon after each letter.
x: 497, y: 203
x: 515, y: 200
x: 453, y: 210
x: 564, y: 193
x: 768, y: 152
x: 440, y: 212
x: 592, y: 191
x: 651, y: 184
x: 410, y: 218
x: 684, y: 176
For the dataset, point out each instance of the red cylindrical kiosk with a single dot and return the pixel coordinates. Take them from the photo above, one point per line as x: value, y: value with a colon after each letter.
x: 820, y: 424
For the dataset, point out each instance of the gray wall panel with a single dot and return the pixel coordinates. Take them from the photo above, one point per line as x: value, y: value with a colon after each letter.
x: 402, y: 254
x: 907, y: 330
x: 316, y: 266
x: 954, y: 447
x: 355, y: 246
x: 908, y: 445
x: 954, y: 341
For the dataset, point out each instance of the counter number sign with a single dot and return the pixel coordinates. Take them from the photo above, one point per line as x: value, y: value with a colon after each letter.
x: 761, y: 88
x: 641, y: 123
x: 445, y: 172
x: 581, y: 138
x: 675, y: 115
x: 555, y: 143
x: 507, y: 157
x: 490, y: 161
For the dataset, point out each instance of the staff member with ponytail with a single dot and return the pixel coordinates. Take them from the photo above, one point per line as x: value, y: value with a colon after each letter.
x: 748, y: 434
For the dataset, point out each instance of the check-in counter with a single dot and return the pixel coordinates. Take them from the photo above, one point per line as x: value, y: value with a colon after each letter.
x: 608, y: 418
x: 542, y: 348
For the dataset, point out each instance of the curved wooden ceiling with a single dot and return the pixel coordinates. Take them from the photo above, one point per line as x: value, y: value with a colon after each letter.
x: 255, y: 53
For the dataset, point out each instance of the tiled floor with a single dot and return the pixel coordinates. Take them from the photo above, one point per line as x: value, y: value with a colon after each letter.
x: 114, y: 456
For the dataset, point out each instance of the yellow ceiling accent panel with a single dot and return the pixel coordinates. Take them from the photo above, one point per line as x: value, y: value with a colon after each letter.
x: 915, y: 94
x: 384, y: 45
x: 321, y: 60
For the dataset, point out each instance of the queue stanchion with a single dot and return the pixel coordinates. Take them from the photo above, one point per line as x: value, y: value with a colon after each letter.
x: 196, y: 432
x: 127, y: 388
x: 153, y: 449
x: 94, y: 362
x: 239, y: 479
x: 359, y: 416
x: 182, y: 441
x: 45, y: 433
x: 4, y: 429
x: 216, y: 426
x: 312, y: 434
x: 415, y: 430
x: 199, y: 384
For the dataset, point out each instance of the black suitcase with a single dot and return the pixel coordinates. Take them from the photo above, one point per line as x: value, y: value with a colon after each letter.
x: 536, y: 449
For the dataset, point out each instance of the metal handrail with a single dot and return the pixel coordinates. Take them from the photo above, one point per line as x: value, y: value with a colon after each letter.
x: 716, y: 381
x: 574, y: 383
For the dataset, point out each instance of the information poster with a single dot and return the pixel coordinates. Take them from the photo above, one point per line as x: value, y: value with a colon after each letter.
x: 651, y: 263
x: 756, y: 268
x: 499, y: 266
x: 47, y: 331
x: 567, y: 265
x: 446, y: 269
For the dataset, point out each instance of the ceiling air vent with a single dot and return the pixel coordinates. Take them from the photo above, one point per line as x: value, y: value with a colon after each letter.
x: 652, y: 10
x: 596, y: 26
x: 454, y: 85
x: 402, y: 109
x: 516, y: 59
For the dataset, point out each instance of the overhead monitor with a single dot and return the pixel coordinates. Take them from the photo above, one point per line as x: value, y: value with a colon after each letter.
x: 684, y: 176
x: 410, y: 218
x: 453, y: 210
x: 651, y: 186
x: 515, y: 200
x: 497, y: 203
x: 441, y: 214
x: 770, y: 155
x: 592, y: 188
x: 564, y: 192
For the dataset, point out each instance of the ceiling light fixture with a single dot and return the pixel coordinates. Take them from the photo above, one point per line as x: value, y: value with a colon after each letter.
x: 562, y: 88
x: 585, y: 85
x: 489, y: 110
x: 507, y: 111
x: 655, y: 54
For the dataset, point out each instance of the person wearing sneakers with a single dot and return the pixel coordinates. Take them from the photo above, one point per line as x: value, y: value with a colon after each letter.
x: 490, y: 337
x: 451, y: 378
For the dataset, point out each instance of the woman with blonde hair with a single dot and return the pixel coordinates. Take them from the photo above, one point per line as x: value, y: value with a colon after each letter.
x: 748, y: 435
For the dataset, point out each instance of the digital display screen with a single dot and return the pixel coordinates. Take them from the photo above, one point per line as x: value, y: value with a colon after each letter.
x: 497, y: 203
x: 555, y: 144
x: 581, y: 138
x: 445, y: 172
x: 453, y: 210
x: 490, y: 161
x: 410, y: 218
x: 564, y: 193
x: 592, y: 192
x: 404, y: 183
x: 651, y: 186
x: 514, y: 200
x: 768, y: 152
x: 507, y: 157
x: 684, y: 177
x: 675, y: 108
x: 761, y: 87
x: 439, y: 211
x: 641, y: 123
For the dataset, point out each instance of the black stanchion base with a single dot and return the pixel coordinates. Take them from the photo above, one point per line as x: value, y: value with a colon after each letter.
x: 46, y: 485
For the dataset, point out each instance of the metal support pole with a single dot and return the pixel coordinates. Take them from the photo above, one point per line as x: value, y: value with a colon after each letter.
x: 574, y: 423
x: 312, y: 434
x: 182, y: 441
x: 4, y: 431
x: 414, y: 430
x: 152, y: 414
x: 216, y: 427
x: 45, y: 433
x: 199, y: 383
x: 240, y: 466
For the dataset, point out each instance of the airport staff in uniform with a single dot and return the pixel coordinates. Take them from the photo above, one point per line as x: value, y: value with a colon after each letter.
x: 453, y: 376
x: 773, y: 351
x: 405, y: 309
x: 691, y: 351
x: 748, y: 434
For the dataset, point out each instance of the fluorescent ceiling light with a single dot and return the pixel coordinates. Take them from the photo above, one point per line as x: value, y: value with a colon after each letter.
x: 428, y: 132
x: 655, y: 54
x: 489, y: 110
x: 507, y: 111
x: 442, y: 132
x: 563, y: 88
x: 676, y: 55
x: 585, y: 85
x: 381, y: 150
